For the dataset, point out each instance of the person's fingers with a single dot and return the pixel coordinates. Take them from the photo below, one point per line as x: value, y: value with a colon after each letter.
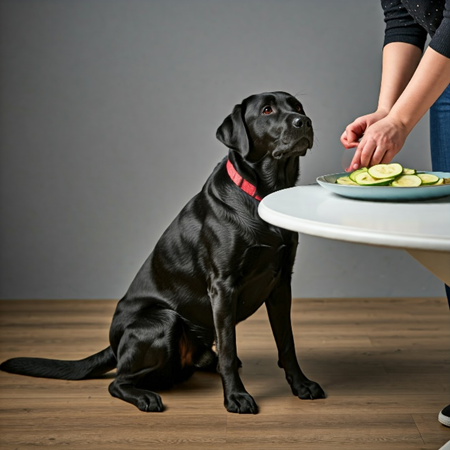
x: 354, y: 132
x: 388, y: 157
x: 356, y: 160
x: 346, y: 143
x: 351, y: 144
x: 367, y: 151
x: 379, y: 143
x: 378, y: 155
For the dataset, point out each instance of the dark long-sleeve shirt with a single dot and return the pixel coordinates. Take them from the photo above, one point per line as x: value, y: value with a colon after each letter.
x: 411, y: 20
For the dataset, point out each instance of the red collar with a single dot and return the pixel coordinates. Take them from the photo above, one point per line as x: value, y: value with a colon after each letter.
x: 241, y: 182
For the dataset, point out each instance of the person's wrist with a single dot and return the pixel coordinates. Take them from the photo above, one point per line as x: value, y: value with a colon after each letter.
x: 382, y: 111
x: 399, y: 122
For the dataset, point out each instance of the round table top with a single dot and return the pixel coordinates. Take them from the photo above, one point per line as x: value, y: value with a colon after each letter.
x: 316, y: 211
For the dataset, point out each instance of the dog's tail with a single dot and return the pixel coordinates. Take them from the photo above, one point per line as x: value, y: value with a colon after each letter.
x: 90, y: 367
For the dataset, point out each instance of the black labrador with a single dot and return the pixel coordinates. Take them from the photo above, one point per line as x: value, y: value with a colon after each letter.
x: 213, y: 267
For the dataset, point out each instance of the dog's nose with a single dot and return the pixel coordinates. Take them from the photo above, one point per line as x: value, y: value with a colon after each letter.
x: 299, y: 122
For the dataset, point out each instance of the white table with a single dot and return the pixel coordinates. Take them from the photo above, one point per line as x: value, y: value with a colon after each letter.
x: 421, y: 228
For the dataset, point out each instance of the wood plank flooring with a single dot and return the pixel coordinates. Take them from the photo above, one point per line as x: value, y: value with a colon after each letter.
x: 384, y: 364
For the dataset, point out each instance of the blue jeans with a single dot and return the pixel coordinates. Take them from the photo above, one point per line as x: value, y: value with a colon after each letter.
x: 440, y: 140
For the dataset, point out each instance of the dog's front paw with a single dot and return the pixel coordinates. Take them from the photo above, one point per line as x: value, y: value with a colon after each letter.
x: 241, y: 403
x: 307, y: 390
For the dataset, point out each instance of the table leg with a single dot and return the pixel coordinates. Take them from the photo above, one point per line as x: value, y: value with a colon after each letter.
x: 437, y: 263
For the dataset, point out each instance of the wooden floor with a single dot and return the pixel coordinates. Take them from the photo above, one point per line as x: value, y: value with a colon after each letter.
x: 384, y: 364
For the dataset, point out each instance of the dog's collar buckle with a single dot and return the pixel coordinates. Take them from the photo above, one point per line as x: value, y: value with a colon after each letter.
x: 239, y: 181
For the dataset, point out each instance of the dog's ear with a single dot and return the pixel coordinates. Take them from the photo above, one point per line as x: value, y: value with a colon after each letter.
x: 233, y: 133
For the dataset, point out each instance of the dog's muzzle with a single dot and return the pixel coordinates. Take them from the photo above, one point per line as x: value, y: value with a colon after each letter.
x: 300, y: 139
x: 300, y: 122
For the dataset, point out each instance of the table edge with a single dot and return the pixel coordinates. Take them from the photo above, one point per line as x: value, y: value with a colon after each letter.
x: 349, y: 234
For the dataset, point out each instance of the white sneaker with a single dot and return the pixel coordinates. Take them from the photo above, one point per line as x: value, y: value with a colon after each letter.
x: 444, y: 416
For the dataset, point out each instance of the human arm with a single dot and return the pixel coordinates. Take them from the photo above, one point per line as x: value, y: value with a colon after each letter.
x: 400, y: 60
x: 403, y: 44
x: 385, y: 138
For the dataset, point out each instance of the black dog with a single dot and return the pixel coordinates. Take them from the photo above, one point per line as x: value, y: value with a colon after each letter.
x: 215, y: 265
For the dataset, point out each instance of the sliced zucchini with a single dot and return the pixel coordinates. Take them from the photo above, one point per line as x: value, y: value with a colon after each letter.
x: 385, y: 170
x: 390, y: 174
x: 355, y: 172
x: 407, y: 181
x: 346, y: 180
x: 428, y: 178
x: 364, y: 179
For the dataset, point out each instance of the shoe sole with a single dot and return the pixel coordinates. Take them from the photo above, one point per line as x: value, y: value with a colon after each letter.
x: 445, y: 420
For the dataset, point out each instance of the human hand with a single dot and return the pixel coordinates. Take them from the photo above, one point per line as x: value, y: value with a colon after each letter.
x: 355, y: 131
x: 380, y: 143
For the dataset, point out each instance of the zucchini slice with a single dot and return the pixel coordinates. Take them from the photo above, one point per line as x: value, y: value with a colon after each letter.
x: 356, y: 172
x: 364, y: 179
x: 407, y: 171
x: 407, y: 181
x: 346, y: 180
x: 385, y: 170
x: 428, y: 178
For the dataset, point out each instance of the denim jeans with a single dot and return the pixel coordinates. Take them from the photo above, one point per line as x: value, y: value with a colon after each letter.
x: 440, y: 139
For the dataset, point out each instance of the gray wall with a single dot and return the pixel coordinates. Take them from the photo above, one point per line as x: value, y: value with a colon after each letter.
x: 108, y: 116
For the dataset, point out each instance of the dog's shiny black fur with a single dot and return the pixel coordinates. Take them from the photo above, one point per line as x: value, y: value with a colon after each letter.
x: 213, y: 267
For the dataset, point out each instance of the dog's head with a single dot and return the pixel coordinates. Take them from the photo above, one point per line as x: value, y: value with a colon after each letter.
x: 271, y: 124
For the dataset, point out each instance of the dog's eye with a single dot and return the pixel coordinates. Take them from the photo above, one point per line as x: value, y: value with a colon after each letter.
x: 267, y: 110
x: 299, y: 108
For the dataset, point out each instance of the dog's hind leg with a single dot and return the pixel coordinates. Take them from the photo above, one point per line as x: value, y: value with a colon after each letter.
x: 147, y: 358
x: 209, y: 360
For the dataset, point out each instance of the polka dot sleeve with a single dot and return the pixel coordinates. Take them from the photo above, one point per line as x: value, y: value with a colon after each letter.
x: 401, y: 26
x: 440, y: 42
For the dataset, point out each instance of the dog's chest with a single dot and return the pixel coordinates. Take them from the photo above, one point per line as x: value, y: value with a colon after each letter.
x: 260, y: 271
x: 263, y: 259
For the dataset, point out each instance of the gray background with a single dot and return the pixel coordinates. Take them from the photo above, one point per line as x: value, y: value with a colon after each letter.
x: 108, y: 115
